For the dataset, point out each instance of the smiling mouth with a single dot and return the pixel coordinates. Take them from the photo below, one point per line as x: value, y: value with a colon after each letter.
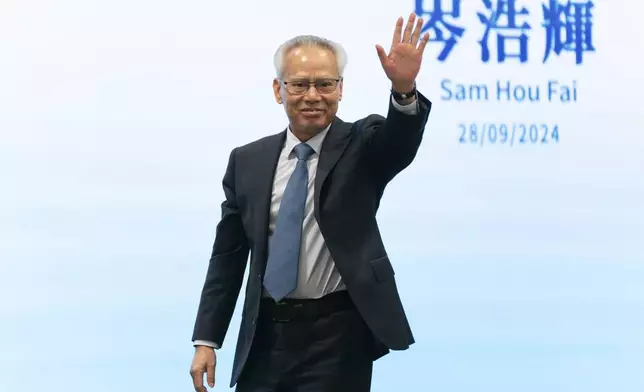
x: 312, y: 110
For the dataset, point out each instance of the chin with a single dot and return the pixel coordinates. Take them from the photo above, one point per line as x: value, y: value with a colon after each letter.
x: 311, y: 122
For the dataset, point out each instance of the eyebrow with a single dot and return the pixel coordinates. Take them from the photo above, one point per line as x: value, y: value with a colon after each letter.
x: 297, y: 77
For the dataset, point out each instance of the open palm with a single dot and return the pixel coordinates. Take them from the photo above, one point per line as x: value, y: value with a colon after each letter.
x: 402, y: 64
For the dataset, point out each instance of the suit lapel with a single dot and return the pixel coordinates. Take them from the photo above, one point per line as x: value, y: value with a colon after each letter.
x: 264, y: 172
x: 332, y: 148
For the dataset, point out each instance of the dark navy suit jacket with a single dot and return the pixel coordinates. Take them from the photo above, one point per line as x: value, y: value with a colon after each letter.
x: 356, y: 162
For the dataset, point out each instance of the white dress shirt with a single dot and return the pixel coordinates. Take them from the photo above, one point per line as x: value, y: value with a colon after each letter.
x: 317, y: 275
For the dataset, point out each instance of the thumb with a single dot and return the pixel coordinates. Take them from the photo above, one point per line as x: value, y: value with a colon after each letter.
x: 382, y: 55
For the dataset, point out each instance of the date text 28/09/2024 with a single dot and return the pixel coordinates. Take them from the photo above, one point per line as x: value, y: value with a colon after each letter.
x: 510, y: 134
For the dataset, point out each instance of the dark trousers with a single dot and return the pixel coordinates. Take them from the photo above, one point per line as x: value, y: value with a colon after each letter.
x: 301, y: 346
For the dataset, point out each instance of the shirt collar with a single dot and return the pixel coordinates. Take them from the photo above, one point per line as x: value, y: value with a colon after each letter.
x: 315, y: 142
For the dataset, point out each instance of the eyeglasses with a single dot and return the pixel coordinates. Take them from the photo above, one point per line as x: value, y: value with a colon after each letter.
x: 301, y: 86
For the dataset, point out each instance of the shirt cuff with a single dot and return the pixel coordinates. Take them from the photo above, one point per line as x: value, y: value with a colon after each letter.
x: 411, y: 108
x: 206, y: 343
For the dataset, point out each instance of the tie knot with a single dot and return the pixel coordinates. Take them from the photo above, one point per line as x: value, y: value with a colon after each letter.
x: 303, y: 151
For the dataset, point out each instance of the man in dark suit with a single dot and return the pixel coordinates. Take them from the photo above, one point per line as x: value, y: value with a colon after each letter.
x: 321, y: 300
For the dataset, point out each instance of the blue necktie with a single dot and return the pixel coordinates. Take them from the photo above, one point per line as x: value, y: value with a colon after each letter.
x: 284, y: 253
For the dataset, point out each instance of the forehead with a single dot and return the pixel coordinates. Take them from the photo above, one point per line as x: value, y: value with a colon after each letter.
x: 307, y: 60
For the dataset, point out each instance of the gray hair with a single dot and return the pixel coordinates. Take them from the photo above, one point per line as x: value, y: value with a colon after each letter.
x: 309, y: 40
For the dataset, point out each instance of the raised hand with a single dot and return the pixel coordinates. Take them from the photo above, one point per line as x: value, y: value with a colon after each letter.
x: 402, y: 64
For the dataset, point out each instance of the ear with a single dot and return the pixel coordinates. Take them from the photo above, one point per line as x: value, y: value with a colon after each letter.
x: 340, y: 86
x: 277, y: 87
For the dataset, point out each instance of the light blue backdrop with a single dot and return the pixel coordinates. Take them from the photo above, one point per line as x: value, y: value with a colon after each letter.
x: 520, y: 266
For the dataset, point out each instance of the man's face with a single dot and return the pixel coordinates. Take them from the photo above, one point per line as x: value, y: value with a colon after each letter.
x: 309, y: 107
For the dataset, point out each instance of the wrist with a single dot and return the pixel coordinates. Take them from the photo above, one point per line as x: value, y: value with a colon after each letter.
x: 403, y: 87
x: 404, y: 94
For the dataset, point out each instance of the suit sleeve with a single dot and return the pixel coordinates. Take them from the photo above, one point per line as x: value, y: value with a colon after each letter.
x: 392, y: 142
x: 225, y: 270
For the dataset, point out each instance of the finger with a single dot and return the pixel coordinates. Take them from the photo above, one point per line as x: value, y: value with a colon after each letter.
x: 397, y: 31
x: 382, y: 55
x: 197, y: 380
x: 210, y: 370
x: 417, y: 30
x: 410, y: 25
x: 423, y: 43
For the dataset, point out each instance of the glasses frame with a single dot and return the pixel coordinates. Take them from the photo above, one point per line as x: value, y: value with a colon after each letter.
x: 286, y: 83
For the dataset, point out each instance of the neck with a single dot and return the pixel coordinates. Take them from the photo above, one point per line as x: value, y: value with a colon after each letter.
x: 304, y: 134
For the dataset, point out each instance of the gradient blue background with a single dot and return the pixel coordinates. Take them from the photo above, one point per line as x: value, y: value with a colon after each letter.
x: 521, y: 268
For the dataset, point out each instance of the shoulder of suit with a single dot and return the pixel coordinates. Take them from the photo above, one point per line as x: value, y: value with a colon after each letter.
x: 368, y: 121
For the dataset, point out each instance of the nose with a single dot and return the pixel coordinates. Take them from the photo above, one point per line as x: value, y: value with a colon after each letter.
x: 312, y: 94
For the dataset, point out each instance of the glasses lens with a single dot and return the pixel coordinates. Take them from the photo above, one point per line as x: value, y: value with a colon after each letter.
x: 326, y: 86
x: 297, y: 86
